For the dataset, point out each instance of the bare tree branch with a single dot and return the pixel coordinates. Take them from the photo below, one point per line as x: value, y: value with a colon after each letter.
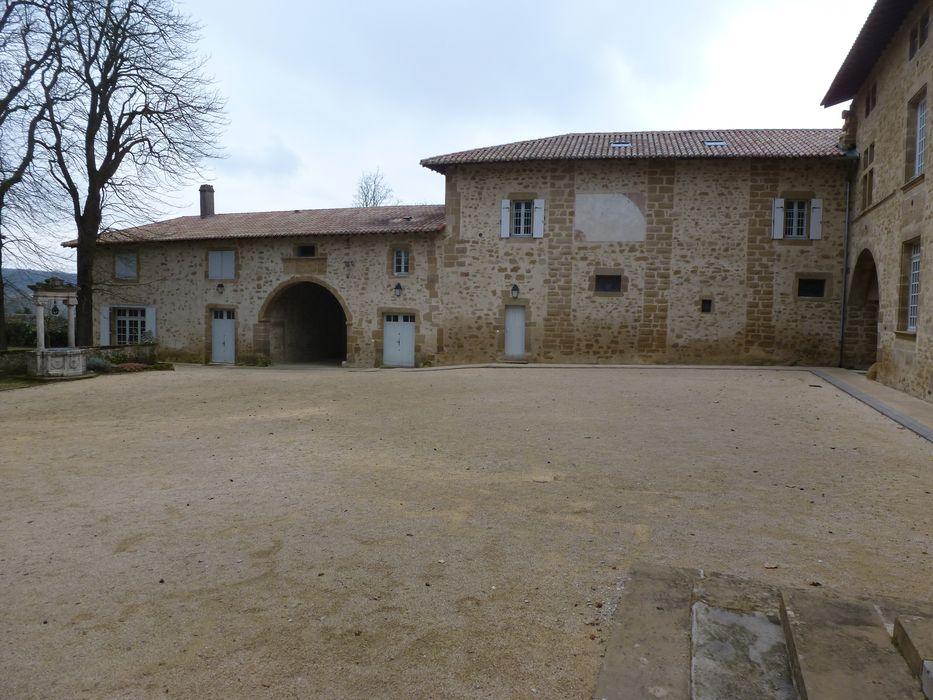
x: 373, y: 191
x: 133, y: 110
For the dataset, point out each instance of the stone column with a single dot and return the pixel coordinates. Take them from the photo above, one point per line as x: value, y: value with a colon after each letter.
x: 71, y: 303
x: 40, y: 325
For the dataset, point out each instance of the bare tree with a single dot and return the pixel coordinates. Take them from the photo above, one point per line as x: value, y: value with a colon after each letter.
x: 372, y: 190
x: 29, y: 69
x: 133, y: 113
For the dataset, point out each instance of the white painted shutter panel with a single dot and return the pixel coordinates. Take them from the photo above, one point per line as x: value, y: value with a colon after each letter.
x: 229, y: 264
x: 816, y: 219
x: 151, y: 321
x: 104, y: 325
x: 537, y: 227
x: 777, y: 219
x: 214, y: 265
x: 505, y: 222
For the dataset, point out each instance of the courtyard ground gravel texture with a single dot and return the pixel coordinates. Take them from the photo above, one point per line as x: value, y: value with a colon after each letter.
x: 261, y: 533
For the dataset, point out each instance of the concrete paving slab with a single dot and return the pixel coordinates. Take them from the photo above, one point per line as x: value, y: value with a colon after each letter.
x: 648, y: 653
x: 738, y: 655
x: 840, y: 650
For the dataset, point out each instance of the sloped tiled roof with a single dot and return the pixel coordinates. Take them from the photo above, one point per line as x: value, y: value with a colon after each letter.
x: 883, y: 22
x: 739, y: 143
x: 425, y: 218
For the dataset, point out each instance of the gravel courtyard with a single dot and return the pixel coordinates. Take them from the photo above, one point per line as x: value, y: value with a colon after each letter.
x: 259, y: 533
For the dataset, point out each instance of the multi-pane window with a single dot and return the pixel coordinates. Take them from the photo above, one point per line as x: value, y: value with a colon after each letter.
x: 400, y: 265
x: 130, y: 325
x: 920, y: 136
x: 913, y: 287
x: 221, y: 264
x: 795, y: 218
x: 522, y: 217
x: 125, y: 265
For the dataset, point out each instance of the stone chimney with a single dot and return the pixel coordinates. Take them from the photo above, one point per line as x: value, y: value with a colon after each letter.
x: 207, y: 201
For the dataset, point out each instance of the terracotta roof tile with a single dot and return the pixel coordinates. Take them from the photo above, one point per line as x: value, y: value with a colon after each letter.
x: 275, y: 224
x: 738, y: 143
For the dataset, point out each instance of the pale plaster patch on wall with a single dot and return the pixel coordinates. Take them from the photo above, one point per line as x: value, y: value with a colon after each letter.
x: 609, y: 217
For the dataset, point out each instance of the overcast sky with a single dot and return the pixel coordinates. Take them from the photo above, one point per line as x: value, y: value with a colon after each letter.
x: 320, y: 91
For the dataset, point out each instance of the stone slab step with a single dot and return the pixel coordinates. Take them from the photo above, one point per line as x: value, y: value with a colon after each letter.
x: 839, y: 649
x: 648, y: 652
x: 913, y: 635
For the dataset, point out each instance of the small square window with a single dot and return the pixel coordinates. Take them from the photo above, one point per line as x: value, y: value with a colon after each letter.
x: 400, y: 262
x: 814, y: 288
x: 125, y: 266
x: 608, y: 284
x: 706, y: 306
x: 305, y: 251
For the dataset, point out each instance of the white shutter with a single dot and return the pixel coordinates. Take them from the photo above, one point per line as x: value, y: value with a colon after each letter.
x: 104, y: 325
x: 505, y: 222
x: 816, y: 219
x: 151, y: 321
x: 777, y: 218
x: 221, y: 264
x: 537, y: 229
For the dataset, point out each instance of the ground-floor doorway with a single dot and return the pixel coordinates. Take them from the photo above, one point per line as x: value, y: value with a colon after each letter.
x: 514, y: 331
x: 223, y: 336
x: 398, y: 349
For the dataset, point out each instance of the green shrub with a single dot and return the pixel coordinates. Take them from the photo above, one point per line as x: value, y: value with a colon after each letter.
x: 20, y: 334
x: 99, y: 364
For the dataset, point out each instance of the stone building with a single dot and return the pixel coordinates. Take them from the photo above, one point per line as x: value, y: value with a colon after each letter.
x: 889, y: 311
x: 718, y: 246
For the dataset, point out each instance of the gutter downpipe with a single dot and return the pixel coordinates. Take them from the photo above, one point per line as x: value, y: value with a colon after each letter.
x: 845, y: 275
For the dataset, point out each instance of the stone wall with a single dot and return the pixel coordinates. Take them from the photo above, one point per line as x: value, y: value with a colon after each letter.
x: 676, y: 232
x: 173, y: 277
x: 901, y: 211
x: 705, y: 234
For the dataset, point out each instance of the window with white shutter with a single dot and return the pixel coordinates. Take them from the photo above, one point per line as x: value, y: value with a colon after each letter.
x: 221, y: 264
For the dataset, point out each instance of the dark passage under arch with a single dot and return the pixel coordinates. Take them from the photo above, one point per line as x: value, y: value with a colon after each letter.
x: 307, y: 325
x: 861, y: 335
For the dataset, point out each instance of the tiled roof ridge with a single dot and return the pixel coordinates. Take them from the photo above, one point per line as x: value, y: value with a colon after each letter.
x: 685, y: 143
x: 397, y: 218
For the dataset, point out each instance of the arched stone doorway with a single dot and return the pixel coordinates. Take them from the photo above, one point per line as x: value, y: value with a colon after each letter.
x: 306, y: 322
x: 861, y: 336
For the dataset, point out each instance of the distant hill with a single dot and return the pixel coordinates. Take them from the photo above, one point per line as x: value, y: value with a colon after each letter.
x: 16, y: 283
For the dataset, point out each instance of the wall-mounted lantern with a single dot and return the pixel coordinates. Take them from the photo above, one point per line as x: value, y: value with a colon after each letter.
x: 397, y: 289
x: 220, y: 288
x: 515, y: 290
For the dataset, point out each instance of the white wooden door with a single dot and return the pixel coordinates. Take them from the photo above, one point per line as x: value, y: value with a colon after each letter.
x: 223, y: 336
x: 398, y: 334
x: 514, y: 331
